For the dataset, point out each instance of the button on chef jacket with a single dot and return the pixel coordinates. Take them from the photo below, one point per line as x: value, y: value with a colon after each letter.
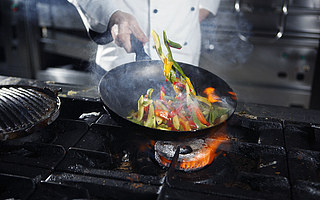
x: 179, y: 19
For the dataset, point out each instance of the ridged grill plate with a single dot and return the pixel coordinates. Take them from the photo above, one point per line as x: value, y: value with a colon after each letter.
x: 24, y: 107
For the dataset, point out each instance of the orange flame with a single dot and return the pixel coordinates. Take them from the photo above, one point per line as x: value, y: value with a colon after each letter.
x: 233, y: 95
x: 206, y: 155
x: 147, y: 146
x: 211, y: 95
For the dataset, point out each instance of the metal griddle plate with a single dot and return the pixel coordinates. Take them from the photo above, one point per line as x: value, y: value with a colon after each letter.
x: 23, y: 108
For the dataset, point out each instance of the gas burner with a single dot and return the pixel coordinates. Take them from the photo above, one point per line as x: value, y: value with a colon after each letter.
x: 194, y: 154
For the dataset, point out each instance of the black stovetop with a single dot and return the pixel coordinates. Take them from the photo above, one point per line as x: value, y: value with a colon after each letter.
x: 272, y: 153
x: 86, y: 154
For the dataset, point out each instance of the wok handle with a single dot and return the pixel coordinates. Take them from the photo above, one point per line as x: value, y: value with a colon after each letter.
x: 138, y: 49
x: 106, y: 37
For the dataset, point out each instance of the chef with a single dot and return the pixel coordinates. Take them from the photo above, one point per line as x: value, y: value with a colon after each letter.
x: 179, y: 18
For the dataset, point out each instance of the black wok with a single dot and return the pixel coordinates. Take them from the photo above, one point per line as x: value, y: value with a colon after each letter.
x: 121, y: 87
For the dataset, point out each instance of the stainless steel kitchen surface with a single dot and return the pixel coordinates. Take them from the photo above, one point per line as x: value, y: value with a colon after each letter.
x: 266, y: 50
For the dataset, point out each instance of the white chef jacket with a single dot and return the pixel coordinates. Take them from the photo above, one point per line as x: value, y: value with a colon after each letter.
x: 179, y: 18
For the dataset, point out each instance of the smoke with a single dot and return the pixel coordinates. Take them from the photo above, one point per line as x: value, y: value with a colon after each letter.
x: 225, y: 38
x: 64, y: 17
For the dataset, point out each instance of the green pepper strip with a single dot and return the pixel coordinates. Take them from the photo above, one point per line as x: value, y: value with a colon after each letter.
x: 168, y: 43
x: 140, y: 108
x: 151, y: 120
x: 170, y: 57
x: 197, y: 121
x: 158, y: 45
x: 199, y: 115
x: 159, y: 105
x: 142, y: 103
x: 203, y: 100
x: 175, y: 64
x: 212, y: 115
x: 149, y: 92
x: 172, y: 76
x: 195, y: 110
x: 174, y: 44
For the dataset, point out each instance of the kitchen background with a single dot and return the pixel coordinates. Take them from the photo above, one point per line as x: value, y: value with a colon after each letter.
x: 268, y: 51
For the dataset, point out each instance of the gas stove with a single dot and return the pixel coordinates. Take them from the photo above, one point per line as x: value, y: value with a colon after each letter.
x: 85, y: 154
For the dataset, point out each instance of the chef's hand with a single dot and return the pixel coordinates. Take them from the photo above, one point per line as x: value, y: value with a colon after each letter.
x: 122, y: 26
x: 203, y: 13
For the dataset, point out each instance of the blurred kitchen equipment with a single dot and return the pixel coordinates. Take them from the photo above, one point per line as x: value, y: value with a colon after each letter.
x: 264, y: 49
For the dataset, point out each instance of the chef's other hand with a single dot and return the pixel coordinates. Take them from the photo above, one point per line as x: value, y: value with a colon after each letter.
x: 122, y: 26
x: 203, y: 13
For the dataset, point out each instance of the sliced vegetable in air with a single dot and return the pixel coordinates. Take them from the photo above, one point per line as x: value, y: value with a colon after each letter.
x: 185, y: 111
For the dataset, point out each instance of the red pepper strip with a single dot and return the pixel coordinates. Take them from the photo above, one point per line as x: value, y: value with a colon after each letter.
x: 190, y: 109
x: 183, y: 126
x: 162, y: 89
x: 162, y: 113
x: 184, y: 123
x: 170, y: 124
x: 192, y: 125
x: 177, y: 110
x: 200, y: 115
x: 162, y: 93
x: 177, y: 89
x: 146, y: 109
x: 165, y: 103
x: 181, y: 85
x: 182, y: 117
x: 181, y: 97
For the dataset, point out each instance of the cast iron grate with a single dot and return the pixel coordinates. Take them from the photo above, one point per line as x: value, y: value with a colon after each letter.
x: 303, y: 144
x: 15, y: 187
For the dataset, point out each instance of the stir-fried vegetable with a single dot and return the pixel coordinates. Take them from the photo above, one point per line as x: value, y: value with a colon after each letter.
x: 184, y: 112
